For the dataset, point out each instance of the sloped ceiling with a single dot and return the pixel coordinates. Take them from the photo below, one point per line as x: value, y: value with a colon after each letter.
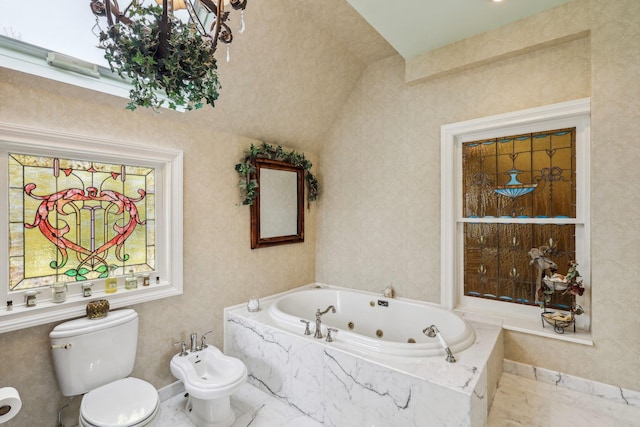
x: 292, y: 70
x: 413, y: 27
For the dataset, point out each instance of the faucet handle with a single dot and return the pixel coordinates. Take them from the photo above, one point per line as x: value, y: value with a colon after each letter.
x: 307, y: 331
x: 183, y: 348
x: 203, y: 340
x: 329, y: 337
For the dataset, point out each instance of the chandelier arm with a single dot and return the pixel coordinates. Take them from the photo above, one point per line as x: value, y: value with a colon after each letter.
x: 225, y: 34
x: 108, y: 13
x: 112, y: 10
x: 164, y: 29
x: 211, y: 6
x: 195, y: 18
x: 239, y: 4
x: 217, y: 27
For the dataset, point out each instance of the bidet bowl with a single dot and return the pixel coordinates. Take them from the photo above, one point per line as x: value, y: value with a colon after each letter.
x: 209, y: 374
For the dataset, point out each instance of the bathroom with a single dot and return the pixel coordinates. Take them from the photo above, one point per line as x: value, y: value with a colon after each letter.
x: 374, y: 142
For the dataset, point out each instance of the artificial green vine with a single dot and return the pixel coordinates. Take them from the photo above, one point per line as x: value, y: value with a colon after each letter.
x: 249, y: 186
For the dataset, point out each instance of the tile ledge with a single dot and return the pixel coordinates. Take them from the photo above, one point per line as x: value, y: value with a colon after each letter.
x: 526, y: 325
x: 578, y: 384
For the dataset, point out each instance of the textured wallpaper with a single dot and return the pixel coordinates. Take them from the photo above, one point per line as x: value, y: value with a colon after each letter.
x: 380, y: 220
x: 220, y: 269
x: 375, y: 145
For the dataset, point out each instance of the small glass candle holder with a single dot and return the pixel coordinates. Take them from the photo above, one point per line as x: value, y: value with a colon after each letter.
x: 86, y: 289
x: 30, y: 297
x: 59, y: 292
x: 131, y: 281
x: 253, y: 305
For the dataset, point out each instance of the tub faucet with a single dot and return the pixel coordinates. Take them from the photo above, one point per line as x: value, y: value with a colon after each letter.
x: 432, y: 331
x: 319, y: 314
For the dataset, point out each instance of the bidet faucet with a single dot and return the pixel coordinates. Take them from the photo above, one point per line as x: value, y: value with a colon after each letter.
x: 183, y: 348
x: 194, y: 340
x: 203, y: 340
x: 318, y: 333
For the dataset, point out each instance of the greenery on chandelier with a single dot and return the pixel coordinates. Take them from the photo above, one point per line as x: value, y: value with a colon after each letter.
x: 160, y: 53
x: 246, y: 169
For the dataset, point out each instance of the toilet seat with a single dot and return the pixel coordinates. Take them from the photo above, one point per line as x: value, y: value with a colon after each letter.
x: 129, y: 402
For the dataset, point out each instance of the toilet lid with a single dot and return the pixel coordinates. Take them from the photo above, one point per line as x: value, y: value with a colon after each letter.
x: 126, y: 402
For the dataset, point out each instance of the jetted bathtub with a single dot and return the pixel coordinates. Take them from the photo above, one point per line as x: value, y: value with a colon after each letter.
x: 373, y: 323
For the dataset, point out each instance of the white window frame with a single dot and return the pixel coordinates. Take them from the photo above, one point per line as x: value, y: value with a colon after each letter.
x: 517, y: 317
x: 168, y: 259
x: 27, y: 58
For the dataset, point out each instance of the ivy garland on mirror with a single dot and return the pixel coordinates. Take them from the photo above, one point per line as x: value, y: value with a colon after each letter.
x: 249, y: 187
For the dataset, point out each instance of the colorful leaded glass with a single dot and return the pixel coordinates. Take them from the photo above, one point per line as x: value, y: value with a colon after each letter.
x: 69, y: 220
x: 530, y: 177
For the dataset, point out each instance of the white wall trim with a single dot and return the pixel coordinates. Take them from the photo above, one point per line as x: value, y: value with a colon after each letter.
x: 566, y: 114
x: 169, y: 220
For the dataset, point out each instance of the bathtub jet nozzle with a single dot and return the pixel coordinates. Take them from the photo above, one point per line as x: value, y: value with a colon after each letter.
x: 432, y: 332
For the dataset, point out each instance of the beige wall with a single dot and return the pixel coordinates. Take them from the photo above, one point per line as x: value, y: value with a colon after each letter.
x: 379, y: 221
x: 220, y: 269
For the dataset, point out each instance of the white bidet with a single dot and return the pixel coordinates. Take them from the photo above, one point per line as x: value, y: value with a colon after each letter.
x: 210, y: 377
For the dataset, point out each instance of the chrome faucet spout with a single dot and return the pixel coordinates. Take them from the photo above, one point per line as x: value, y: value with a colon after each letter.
x: 318, y: 333
x: 320, y: 313
x: 194, y: 345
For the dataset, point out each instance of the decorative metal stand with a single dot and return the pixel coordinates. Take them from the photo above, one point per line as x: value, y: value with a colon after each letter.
x: 552, y: 318
x: 558, y: 325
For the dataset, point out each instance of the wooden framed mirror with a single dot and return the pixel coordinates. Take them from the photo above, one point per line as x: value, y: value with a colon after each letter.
x: 277, y: 215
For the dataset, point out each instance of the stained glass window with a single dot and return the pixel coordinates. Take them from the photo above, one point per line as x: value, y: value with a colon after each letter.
x: 526, y: 176
x: 70, y: 220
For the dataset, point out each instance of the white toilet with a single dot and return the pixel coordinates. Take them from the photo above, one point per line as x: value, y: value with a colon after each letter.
x: 95, y: 356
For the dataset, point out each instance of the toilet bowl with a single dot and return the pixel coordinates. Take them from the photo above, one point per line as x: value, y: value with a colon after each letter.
x: 210, y: 377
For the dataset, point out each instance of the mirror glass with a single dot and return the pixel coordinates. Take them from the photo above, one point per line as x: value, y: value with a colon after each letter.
x: 277, y: 215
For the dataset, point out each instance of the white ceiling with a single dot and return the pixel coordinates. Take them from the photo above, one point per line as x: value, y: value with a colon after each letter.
x: 413, y: 27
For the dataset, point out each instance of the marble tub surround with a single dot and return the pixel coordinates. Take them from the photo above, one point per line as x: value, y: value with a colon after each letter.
x: 337, y: 385
x: 570, y: 382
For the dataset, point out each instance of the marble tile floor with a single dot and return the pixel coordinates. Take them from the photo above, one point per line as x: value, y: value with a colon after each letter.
x: 519, y: 402
x: 252, y: 406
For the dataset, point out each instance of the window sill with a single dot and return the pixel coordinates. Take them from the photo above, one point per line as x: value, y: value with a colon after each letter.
x: 526, y: 325
x: 75, y: 306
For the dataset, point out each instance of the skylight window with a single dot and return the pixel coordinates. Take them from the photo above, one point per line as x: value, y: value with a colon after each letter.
x: 54, y: 26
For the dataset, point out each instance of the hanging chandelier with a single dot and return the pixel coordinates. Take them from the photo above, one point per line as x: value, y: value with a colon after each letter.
x: 170, y: 61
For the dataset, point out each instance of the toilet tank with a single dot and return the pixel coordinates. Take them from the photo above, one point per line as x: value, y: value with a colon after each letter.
x: 88, y: 353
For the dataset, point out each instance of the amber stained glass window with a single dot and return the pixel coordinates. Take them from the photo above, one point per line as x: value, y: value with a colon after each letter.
x: 519, y: 188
